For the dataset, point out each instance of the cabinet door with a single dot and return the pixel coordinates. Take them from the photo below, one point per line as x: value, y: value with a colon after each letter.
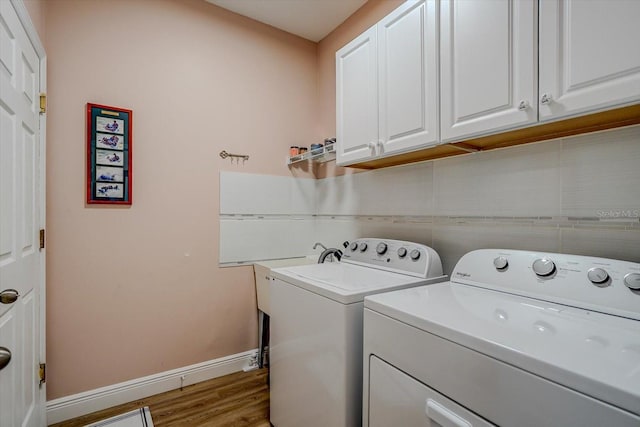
x: 589, y: 55
x: 488, y: 66
x: 408, y: 78
x: 357, y: 99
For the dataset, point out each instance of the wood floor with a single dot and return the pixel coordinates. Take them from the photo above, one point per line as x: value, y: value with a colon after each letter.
x: 240, y: 399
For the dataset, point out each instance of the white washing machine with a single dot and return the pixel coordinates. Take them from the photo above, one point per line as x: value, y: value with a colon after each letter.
x: 515, y: 338
x: 316, y: 328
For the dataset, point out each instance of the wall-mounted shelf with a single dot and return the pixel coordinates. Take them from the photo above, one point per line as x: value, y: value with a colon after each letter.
x: 319, y: 155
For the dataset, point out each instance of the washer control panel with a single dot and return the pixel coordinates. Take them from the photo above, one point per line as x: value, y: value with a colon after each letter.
x: 399, y: 256
x: 599, y: 284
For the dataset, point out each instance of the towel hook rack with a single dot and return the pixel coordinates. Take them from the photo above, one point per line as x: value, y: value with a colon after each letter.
x: 224, y: 155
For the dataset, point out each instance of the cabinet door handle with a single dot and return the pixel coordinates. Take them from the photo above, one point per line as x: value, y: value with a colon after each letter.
x: 545, y: 99
x: 5, y: 357
x: 9, y: 296
x: 371, y: 145
x: 523, y: 105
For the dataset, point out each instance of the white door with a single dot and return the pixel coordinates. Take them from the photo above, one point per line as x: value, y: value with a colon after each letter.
x: 21, y: 262
x: 408, y: 78
x: 589, y: 55
x: 488, y: 66
x: 357, y: 99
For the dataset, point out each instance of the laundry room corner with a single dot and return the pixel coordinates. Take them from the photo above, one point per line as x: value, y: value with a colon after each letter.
x: 140, y: 285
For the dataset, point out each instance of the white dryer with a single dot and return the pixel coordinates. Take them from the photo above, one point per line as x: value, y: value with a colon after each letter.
x: 316, y: 328
x: 516, y: 338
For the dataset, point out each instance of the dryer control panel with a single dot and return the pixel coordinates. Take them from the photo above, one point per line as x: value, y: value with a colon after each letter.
x: 599, y: 284
x: 414, y: 259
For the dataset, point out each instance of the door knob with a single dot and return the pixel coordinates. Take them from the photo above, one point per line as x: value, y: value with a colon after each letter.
x: 523, y: 105
x: 9, y: 296
x: 545, y: 99
x: 5, y: 357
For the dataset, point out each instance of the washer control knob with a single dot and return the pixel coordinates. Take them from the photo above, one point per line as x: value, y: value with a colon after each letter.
x: 402, y: 252
x: 381, y: 248
x: 353, y: 246
x: 544, y: 267
x: 597, y: 275
x: 415, y: 254
x: 363, y: 246
x: 632, y: 280
x: 500, y: 263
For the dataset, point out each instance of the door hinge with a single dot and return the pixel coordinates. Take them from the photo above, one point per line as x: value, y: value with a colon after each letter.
x: 42, y: 372
x: 43, y: 103
x: 42, y: 238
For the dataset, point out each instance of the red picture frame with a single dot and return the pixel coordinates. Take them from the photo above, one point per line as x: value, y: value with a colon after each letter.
x: 109, y: 155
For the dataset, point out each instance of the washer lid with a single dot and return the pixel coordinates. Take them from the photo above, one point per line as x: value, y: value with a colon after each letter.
x: 591, y: 352
x: 346, y: 283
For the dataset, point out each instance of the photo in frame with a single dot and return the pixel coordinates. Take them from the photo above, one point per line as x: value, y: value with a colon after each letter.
x: 109, y: 159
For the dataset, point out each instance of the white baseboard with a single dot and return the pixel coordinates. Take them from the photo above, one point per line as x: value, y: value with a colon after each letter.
x: 90, y: 401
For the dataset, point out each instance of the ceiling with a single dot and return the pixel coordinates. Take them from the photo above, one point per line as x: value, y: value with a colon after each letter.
x: 309, y: 19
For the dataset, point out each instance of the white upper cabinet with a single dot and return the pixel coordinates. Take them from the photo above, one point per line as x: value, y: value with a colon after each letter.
x: 589, y: 56
x: 357, y: 98
x: 447, y: 71
x: 386, y: 86
x: 408, y: 83
x: 488, y: 66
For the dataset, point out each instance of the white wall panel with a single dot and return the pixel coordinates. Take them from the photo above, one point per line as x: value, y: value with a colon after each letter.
x: 615, y: 244
x: 331, y: 232
x: 303, y: 196
x: 519, y: 181
x: 601, y: 173
x: 414, y: 232
x: 259, y: 239
x: 243, y: 193
x: 405, y: 190
x: 585, y: 176
x: 337, y: 196
x: 375, y: 227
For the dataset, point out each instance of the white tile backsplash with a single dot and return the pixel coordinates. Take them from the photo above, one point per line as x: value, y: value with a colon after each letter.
x: 337, y: 196
x: 615, y: 244
x: 259, y: 239
x: 243, y: 193
x: 601, y: 173
x: 581, y: 176
x: 251, y: 194
x: 519, y: 181
x: 412, y: 232
x: 404, y: 190
x: 331, y: 232
x: 303, y: 196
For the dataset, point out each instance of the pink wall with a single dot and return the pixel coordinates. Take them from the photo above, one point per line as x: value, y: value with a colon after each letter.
x: 137, y: 291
